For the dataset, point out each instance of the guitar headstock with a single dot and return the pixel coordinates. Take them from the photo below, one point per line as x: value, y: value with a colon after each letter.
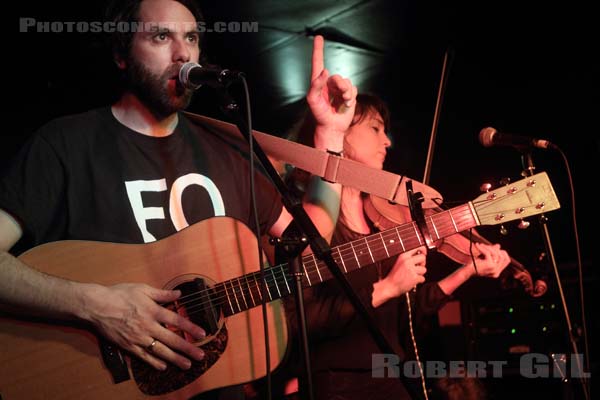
x: 529, y: 196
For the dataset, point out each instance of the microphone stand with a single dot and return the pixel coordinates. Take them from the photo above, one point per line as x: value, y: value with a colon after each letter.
x: 529, y: 169
x: 290, y: 247
x: 318, y: 244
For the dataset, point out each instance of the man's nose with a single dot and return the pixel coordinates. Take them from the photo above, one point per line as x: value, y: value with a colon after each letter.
x: 181, y: 51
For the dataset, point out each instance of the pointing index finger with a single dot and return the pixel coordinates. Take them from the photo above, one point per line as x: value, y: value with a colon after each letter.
x: 317, y: 57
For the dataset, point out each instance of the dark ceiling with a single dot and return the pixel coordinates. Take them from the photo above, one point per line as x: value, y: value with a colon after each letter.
x: 525, y: 69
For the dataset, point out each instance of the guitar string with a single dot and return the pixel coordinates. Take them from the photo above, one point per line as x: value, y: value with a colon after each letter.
x: 236, y: 291
x: 312, y: 267
x: 348, y: 248
x: 232, y: 296
x: 455, y: 213
x: 399, y: 229
x: 206, y: 296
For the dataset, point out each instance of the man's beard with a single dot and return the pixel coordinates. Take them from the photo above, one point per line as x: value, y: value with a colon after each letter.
x: 153, y: 89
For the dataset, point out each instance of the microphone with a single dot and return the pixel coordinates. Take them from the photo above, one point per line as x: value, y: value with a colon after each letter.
x: 192, y: 76
x: 489, y: 137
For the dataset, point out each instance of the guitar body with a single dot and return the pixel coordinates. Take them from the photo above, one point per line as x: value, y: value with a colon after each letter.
x: 41, y: 359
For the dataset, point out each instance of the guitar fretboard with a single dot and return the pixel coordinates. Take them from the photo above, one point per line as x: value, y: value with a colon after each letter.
x: 242, y: 293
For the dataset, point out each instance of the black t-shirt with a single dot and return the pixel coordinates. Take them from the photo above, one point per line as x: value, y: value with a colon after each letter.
x: 89, y: 177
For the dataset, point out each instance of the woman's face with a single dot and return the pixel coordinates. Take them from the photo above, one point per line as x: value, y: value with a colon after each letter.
x: 367, y: 141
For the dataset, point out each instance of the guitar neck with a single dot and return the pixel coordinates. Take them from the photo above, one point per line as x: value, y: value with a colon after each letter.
x: 242, y: 293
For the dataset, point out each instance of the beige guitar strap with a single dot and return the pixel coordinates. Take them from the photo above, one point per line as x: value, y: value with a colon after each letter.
x: 329, y: 166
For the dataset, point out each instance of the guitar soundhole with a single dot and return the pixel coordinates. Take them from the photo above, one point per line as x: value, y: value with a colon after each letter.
x: 196, y: 304
x: 200, y: 304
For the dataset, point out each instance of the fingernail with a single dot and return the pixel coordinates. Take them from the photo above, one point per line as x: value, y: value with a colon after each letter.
x: 187, y: 364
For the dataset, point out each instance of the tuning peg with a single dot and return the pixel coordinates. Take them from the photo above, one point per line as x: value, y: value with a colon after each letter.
x: 485, y: 188
x: 503, y: 230
x: 504, y: 181
x: 523, y: 224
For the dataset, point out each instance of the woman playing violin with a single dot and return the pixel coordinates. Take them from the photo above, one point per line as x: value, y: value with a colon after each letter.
x: 341, y: 346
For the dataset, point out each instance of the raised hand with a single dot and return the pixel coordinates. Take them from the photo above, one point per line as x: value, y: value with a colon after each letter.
x: 332, y: 99
x: 128, y: 315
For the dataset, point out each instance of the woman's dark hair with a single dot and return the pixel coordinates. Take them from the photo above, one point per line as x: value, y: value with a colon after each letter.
x: 121, y: 14
x: 366, y: 104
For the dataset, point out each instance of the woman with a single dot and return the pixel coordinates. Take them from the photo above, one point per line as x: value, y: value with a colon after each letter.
x: 341, y: 346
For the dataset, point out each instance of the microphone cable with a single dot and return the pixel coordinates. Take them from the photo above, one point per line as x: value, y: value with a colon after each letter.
x: 263, y: 288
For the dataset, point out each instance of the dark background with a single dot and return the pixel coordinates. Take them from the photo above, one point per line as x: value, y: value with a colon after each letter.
x: 525, y: 69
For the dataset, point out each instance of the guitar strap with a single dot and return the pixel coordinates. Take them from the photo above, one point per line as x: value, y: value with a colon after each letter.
x: 330, y: 167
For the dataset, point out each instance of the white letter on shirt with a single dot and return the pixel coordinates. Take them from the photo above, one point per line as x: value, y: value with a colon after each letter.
x: 175, y: 206
x: 141, y: 213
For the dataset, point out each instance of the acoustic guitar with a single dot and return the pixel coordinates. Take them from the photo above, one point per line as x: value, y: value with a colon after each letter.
x: 215, y: 264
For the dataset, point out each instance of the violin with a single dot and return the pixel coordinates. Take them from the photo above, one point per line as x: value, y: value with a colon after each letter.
x: 457, y: 247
